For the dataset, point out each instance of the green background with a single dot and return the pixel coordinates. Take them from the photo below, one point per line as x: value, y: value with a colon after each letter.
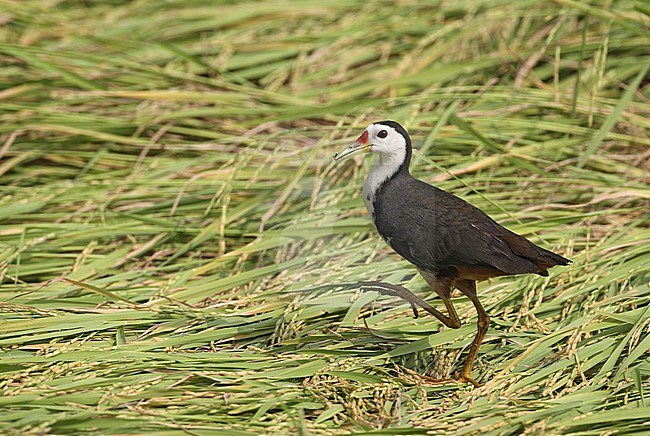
x: 178, y: 251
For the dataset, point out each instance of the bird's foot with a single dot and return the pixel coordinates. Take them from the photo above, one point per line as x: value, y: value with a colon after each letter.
x: 466, y: 378
x: 394, y: 291
x: 458, y: 378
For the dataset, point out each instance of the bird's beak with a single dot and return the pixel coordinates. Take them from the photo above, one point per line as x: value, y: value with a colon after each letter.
x: 361, y: 145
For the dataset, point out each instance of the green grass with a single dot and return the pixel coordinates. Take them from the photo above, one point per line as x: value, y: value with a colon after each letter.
x: 178, y: 250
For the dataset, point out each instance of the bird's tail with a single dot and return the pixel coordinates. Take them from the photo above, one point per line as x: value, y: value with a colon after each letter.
x: 547, y: 259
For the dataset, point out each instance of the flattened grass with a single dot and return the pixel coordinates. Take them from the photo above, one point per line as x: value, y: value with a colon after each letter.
x: 178, y: 251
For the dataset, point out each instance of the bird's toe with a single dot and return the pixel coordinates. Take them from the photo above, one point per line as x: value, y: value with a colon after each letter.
x: 466, y: 378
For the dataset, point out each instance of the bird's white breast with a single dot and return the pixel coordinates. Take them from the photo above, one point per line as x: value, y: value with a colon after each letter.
x: 384, y: 167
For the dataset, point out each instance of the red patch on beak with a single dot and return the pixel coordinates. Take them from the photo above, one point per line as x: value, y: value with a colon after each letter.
x: 363, y: 139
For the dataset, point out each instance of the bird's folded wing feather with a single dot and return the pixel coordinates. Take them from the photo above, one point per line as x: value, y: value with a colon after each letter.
x: 463, y: 236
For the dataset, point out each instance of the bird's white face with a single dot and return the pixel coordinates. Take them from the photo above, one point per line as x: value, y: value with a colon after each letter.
x: 377, y: 138
x: 385, y: 140
x: 393, y: 152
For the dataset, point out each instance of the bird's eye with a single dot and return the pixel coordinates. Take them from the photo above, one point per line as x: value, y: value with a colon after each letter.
x: 382, y: 134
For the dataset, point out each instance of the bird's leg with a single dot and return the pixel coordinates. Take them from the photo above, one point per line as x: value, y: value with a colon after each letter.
x: 392, y: 290
x: 468, y: 288
x: 451, y: 321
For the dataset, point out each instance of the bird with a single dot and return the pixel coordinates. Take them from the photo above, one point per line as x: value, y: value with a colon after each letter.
x: 451, y: 243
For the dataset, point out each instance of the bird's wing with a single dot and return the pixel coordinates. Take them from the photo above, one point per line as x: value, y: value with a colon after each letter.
x: 442, y: 231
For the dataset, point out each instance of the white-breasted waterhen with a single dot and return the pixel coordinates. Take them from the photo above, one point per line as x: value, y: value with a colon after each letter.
x: 451, y: 243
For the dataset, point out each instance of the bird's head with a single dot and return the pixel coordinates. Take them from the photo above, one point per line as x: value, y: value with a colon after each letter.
x: 387, y: 138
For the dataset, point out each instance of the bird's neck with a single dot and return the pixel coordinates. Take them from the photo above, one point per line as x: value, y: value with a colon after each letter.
x: 386, y: 166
